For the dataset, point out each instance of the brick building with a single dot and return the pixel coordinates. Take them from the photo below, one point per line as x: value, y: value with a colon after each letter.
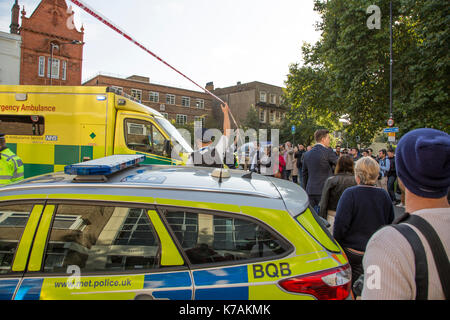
x: 265, y: 98
x: 52, y: 47
x: 181, y: 105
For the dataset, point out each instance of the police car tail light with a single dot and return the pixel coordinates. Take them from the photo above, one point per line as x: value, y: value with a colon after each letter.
x: 334, y: 284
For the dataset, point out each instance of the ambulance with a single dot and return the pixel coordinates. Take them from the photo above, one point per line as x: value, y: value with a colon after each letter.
x: 50, y: 127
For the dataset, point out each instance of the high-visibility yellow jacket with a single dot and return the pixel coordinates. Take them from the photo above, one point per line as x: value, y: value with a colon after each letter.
x: 11, y: 167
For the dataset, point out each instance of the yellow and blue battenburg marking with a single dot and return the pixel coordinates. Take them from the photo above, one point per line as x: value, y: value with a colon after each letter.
x: 7, y: 288
x: 222, y: 284
x: 167, y: 286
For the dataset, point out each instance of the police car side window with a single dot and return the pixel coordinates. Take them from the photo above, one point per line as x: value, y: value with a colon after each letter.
x: 100, y: 238
x: 13, y: 220
x: 211, y: 238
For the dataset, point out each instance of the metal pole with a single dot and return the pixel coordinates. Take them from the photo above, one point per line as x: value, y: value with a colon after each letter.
x: 391, y: 62
x: 51, y: 65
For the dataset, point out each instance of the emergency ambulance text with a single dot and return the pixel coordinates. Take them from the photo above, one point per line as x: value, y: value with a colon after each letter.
x: 34, y: 108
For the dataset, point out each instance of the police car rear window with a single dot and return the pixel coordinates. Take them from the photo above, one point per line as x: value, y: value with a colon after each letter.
x: 31, y: 125
x: 213, y: 238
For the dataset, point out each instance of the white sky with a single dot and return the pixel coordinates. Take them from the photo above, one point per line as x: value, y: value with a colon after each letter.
x: 223, y: 41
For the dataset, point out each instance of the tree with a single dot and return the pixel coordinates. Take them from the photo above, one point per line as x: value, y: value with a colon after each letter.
x: 346, y: 73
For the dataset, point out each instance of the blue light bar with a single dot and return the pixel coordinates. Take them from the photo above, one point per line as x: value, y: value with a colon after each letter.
x: 104, y: 166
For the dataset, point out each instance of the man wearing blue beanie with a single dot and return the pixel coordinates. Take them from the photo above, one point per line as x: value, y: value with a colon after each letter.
x: 423, y: 169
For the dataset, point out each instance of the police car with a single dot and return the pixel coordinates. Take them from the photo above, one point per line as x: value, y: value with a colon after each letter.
x: 114, y: 229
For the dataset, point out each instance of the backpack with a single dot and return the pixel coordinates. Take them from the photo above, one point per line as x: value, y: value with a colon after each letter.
x: 421, y: 264
x: 437, y: 248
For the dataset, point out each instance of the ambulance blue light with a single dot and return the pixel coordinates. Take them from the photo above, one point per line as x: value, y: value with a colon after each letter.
x: 101, y: 98
x: 104, y: 166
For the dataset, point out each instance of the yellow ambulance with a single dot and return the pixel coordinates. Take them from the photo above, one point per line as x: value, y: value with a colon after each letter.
x: 50, y: 127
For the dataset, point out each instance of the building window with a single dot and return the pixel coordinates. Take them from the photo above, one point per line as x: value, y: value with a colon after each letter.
x: 200, y: 119
x: 262, y: 116
x: 118, y: 90
x: 200, y: 103
x: 165, y: 115
x: 135, y: 93
x: 53, y: 68
x: 181, y: 119
x: 272, y: 116
x: 153, y: 96
x: 41, y: 71
x: 262, y: 96
x: 170, y: 99
x: 273, y: 99
x: 185, y: 101
x: 64, y: 70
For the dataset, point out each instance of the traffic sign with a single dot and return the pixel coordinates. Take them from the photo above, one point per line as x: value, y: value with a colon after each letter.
x: 390, y: 122
x: 388, y: 130
x: 293, y: 129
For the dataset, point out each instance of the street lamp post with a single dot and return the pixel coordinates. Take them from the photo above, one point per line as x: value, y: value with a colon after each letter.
x: 51, y: 59
x: 391, y: 61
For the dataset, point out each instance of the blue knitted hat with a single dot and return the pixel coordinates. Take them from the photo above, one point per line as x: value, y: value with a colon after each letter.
x: 423, y: 162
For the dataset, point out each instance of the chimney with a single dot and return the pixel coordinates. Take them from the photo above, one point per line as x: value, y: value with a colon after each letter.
x: 210, y: 86
x: 14, y: 27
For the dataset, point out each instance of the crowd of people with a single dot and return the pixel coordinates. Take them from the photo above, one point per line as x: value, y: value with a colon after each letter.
x: 356, y: 191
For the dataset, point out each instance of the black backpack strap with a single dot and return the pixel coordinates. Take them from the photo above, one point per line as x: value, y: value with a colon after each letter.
x: 420, y: 259
x: 439, y: 254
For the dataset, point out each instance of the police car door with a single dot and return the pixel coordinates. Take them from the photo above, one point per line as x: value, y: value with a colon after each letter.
x: 221, y: 249
x: 107, y: 251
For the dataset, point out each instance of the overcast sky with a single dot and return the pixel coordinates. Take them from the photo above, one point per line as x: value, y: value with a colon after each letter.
x: 223, y: 41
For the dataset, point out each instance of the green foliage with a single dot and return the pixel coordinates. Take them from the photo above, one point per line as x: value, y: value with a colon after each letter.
x: 347, y: 71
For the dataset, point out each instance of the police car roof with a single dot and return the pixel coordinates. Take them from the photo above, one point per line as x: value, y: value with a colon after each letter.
x: 181, y: 179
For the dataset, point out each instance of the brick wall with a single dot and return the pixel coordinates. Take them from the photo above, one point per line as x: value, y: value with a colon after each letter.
x: 49, y: 24
x: 172, y: 110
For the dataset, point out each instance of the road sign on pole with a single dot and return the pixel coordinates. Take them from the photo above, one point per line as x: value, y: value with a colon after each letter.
x: 293, y: 129
x: 390, y: 130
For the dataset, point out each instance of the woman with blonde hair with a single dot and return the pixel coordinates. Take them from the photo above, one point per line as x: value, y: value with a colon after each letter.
x: 361, y: 211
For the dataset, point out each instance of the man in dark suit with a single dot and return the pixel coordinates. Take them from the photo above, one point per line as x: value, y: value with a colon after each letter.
x: 318, y: 166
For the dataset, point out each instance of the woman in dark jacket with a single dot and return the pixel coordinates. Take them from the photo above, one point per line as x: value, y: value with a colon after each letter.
x: 334, y: 187
x: 361, y: 211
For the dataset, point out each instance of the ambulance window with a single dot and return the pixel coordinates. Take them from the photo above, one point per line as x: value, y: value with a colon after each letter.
x: 142, y: 136
x: 22, y: 125
x: 98, y: 238
x: 210, y: 238
x: 158, y: 141
x: 12, y: 224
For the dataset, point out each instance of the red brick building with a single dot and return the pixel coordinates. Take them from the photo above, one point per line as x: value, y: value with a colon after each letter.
x: 182, y: 105
x: 49, y: 33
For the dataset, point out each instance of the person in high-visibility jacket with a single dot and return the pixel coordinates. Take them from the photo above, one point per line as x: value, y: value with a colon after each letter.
x: 11, y: 166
